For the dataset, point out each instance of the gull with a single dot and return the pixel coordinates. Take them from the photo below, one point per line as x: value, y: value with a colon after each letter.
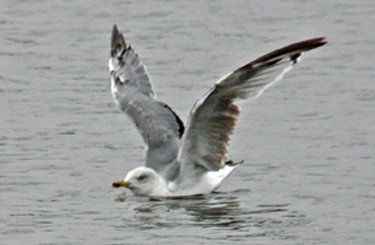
x: 191, y: 160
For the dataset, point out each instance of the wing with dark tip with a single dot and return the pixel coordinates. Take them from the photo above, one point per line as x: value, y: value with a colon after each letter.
x: 213, y: 118
x: 159, y: 126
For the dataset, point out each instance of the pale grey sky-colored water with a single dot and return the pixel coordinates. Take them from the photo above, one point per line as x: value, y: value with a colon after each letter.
x: 308, y: 143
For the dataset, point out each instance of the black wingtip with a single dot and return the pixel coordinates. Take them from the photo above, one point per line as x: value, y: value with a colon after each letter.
x: 117, y: 42
x: 315, y: 42
x: 309, y: 44
x: 115, y: 33
x: 232, y: 163
x: 293, y: 50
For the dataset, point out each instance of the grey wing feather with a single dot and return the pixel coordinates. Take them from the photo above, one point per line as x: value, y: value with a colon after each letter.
x: 160, y: 128
x: 213, y: 118
x: 127, y: 64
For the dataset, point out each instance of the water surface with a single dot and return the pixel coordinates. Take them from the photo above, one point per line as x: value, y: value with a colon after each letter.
x: 307, y: 143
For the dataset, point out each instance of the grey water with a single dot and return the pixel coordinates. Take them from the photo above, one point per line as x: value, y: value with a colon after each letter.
x: 307, y: 143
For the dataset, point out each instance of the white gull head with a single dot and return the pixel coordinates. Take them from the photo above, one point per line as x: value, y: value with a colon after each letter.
x: 143, y: 181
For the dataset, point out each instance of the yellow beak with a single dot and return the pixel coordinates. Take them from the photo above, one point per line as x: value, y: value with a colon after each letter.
x: 119, y: 183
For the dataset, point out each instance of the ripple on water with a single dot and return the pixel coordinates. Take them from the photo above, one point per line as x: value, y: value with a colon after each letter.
x: 217, y: 212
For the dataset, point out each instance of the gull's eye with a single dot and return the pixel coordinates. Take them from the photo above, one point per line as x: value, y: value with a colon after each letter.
x: 142, y: 177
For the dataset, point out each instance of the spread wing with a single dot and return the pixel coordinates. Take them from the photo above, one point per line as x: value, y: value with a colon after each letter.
x: 213, y: 118
x: 160, y: 127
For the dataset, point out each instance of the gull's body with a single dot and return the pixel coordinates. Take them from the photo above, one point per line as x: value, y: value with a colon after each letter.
x: 191, y: 160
